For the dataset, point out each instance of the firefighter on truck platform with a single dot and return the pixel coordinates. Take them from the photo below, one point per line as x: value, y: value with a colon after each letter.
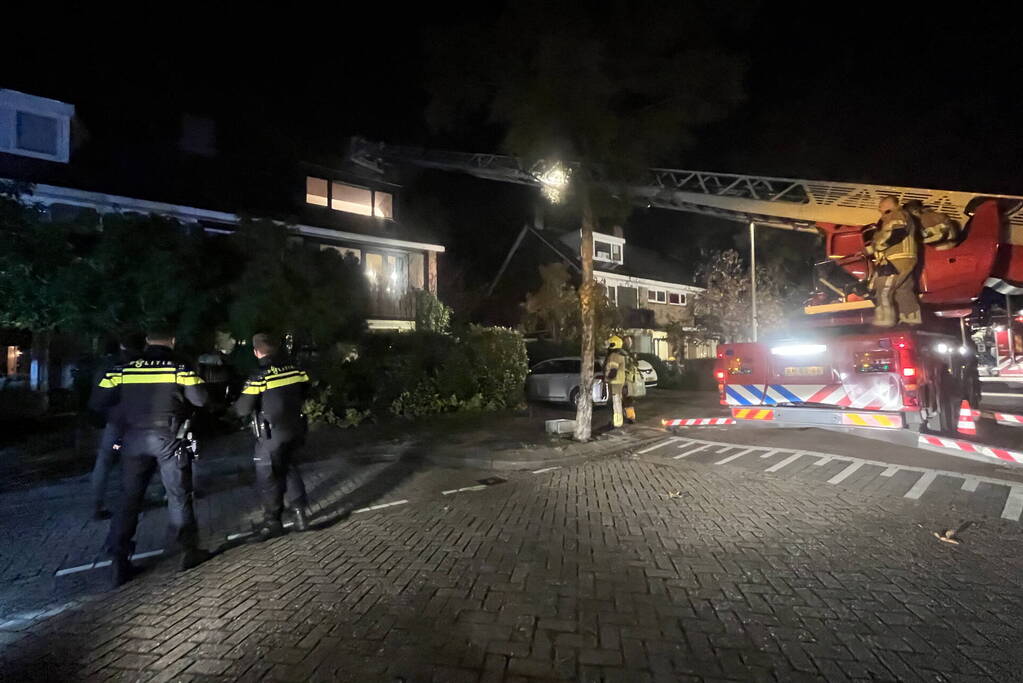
x: 895, y: 251
x: 154, y: 396
x: 273, y: 396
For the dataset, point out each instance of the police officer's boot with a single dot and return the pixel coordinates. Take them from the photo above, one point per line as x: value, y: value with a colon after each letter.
x: 121, y: 571
x: 193, y: 557
x: 301, y: 521
x: 270, y: 528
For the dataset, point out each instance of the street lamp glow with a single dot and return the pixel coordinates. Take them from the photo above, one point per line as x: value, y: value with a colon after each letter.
x: 553, y: 182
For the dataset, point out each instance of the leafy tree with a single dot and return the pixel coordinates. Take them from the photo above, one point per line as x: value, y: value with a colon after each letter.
x: 725, y: 309
x: 612, y: 87
x: 548, y: 308
x: 43, y: 277
x: 284, y: 287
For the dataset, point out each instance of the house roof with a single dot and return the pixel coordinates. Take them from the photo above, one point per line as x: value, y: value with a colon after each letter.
x: 638, y: 262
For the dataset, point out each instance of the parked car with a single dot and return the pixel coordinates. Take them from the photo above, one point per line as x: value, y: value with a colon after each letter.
x: 557, y: 379
x: 648, y: 372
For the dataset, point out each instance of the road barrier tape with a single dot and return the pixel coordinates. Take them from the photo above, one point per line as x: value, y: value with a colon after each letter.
x: 753, y: 413
x: 1007, y: 419
x: 698, y: 422
x: 971, y: 447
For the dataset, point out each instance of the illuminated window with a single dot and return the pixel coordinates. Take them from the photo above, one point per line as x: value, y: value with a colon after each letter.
x: 656, y: 296
x: 677, y: 299
x: 351, y: 199
x: 383, y: 205
x: 348, y: 198
x: 316, y: 191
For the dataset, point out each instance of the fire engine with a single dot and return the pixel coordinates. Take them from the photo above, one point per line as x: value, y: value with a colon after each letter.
x: 835, y: 369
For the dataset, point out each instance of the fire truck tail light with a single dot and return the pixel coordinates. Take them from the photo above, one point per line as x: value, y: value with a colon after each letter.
x: 720, y: 374
x: 909, y: 372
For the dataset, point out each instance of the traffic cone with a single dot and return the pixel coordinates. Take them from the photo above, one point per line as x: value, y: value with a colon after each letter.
x: 966, y: 424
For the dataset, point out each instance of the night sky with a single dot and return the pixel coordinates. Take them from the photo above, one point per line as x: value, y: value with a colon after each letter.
x: 841, y: 92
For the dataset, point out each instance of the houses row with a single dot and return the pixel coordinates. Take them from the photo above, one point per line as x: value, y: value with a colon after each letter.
x: 329, y: 205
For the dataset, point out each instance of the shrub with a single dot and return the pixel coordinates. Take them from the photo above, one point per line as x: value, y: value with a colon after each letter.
x: 498, y: 355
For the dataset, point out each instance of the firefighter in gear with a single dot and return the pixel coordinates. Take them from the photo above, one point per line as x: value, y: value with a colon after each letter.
x: 273, y: 397
x: 936, y: 229
x: 894, y: 251
x: 154, y: 397
x: 632, y: 376
x: 614, y: 374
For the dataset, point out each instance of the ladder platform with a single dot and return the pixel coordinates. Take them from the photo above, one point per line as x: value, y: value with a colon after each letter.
x: 833, y: 308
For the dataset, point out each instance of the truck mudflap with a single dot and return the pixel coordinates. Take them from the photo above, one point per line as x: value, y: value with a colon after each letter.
x: 798, y: 416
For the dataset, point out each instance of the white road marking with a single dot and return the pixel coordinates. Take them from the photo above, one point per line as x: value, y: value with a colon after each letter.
x: 695, y: 450
x: 104, y: 563
x: 659, y: 445
x: 551, y: 469
x: 823, y: 461
x: 382, y: 505
x: 733, y: 457
x: 890, y: 471
x: 921, y: 485
x: 1013, y: 504
x: 478, y: 487
x: 769, y: 453
x: 784, y: 463
x: 970, y: 484
x: 844, y: 474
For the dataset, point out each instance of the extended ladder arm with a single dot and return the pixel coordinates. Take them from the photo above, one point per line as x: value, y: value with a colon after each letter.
x: 779, y: 202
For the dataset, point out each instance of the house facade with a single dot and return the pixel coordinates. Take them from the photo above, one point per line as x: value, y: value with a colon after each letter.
x: 647, y: 289
x: 329, y: 206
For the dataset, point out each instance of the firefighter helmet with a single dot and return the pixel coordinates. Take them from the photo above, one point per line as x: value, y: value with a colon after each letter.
x: 614, y: 342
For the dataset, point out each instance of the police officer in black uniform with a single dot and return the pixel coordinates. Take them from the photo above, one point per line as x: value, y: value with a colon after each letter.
x: 154, y: 396
x: 273, y: 397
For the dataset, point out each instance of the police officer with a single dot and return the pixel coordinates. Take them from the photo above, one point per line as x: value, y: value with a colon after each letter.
x: 614, y: 374
x: 273, y: 397
x: 154, y: 396
x: 895, y: 251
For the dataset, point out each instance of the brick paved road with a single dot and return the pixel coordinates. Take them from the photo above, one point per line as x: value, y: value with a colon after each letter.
x: 616, y: 570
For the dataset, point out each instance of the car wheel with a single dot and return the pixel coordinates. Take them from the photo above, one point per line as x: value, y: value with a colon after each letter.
x: 573, y: 397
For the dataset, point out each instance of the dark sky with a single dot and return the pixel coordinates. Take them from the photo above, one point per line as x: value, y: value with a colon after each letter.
x: 855, y: 92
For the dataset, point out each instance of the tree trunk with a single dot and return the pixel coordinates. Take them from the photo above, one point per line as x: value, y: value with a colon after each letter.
x: 39, y: 369
x: 584, y: 407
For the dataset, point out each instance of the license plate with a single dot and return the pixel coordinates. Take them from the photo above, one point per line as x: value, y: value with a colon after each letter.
x: 804, y: 371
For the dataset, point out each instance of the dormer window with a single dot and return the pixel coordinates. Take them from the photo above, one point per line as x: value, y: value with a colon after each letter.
x: 35, y: 127
x: 349, y: 198
x: 608, y: 248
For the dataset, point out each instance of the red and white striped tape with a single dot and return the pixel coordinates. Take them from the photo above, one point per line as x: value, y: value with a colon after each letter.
x: 970, y: 447
x: 1010, y: 419
x: 698, y: 422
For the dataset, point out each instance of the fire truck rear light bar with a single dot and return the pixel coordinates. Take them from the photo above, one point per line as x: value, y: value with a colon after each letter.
x: 798, y: 349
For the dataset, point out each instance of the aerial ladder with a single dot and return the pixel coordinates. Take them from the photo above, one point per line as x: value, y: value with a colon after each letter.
x: 990, y: 255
